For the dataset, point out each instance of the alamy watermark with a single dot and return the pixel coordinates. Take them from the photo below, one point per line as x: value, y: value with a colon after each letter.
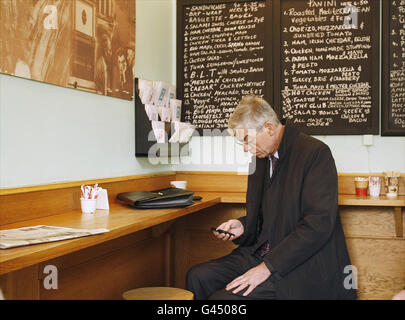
x: 51, y: 20
x: 51, y: 280
x: 212, y: 147
x: 350, y: 281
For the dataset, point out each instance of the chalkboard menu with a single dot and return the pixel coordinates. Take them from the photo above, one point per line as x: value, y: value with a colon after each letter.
x: 393, y: 84
x: 329, y: 68
x: 224, y: 53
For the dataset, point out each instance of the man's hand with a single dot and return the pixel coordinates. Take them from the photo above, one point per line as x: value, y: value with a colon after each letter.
x: 251, y: 279
x: 233, y: 226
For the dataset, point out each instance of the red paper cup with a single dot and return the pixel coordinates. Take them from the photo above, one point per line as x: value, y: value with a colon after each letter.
x: 361, y: 192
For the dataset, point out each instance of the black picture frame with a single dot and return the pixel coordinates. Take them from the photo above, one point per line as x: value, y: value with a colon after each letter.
x: 387, y: 127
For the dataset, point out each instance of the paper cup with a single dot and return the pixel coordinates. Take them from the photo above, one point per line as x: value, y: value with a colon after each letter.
x: 179, y: 184
x: 374, y: 186
x: 361, y: 185
x: 392, y: 187
x: 88, y: 205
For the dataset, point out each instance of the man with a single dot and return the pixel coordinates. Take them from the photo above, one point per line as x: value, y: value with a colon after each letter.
x: 122, y: 81
x: 131, y: 64
x: 103, y: 65
x: 122, y: 67
x: 292, y: 244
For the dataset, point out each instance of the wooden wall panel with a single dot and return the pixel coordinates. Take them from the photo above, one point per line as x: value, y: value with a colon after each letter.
x: 380, y: 264
x: 3, y: 285
x: 368, y: 221
x: 214, y: 181
x: 213, y: 217
x: 104, y: 271
x: 85, y: 255
x: 41, y: 201
x: 108, y: 276
x: 22, y: 284
x: 206, y: 247
x: 181, y: 249
x: 193, y: 241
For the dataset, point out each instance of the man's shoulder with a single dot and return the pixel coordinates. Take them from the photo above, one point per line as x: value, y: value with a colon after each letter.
x: 310, y: 144
x: 308, y: 148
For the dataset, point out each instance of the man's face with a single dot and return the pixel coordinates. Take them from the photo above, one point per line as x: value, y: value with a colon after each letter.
x: 260, y: 143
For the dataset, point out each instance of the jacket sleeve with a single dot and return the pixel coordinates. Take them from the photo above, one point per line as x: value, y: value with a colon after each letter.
x: 250, y: 194
x: 240, y: 239
x: 319, y: 203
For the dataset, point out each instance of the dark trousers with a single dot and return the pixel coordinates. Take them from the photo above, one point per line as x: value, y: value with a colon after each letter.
x: 209, y: 279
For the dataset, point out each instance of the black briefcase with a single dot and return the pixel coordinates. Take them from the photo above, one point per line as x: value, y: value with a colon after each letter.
x: 157, y: 199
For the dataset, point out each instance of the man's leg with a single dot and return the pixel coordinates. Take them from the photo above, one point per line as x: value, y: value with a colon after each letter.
x: 206, y: 278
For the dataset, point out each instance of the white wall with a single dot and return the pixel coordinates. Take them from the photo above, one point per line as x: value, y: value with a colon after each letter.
x: 52, y: 134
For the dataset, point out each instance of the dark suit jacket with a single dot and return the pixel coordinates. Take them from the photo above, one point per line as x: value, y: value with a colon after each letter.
x: 308, y: 249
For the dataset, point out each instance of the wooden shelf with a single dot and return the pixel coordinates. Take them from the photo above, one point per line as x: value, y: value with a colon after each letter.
x: 344, y: 199
x: 382, y: 201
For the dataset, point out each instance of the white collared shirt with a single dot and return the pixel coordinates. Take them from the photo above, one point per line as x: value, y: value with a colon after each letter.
x: 271, y: 163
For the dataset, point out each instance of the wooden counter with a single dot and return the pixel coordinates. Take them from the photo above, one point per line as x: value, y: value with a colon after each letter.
x: 121, y: 220
x: 157, y: 247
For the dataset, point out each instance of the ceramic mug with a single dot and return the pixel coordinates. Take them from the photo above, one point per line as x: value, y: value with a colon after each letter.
x: 179, y: 184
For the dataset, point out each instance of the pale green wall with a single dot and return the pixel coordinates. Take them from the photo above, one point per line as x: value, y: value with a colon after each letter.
x: 42, y: 127
x: 387, y: 153
x: 52, y: 134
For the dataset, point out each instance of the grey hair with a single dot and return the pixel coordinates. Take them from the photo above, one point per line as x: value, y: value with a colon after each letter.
x: 251, y: 113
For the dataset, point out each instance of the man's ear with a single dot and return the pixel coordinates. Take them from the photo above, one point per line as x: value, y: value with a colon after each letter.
x: 269, y: 127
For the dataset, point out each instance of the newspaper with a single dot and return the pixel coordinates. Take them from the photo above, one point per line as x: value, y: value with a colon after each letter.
x: 40, y: 234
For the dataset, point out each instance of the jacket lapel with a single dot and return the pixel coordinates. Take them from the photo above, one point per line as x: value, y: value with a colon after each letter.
x: 287, y: 141
x: 254, y: 197
x: 256, y: 182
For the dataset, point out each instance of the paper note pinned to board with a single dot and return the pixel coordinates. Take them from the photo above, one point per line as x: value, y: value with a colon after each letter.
x: 175, y: 107
x: 159, y: 131
x: 182, y: 132
x: 152, y: 112
x: 165, y: 114
x: 145, y: 91
x: 172, y: 94
x: 160, y: 93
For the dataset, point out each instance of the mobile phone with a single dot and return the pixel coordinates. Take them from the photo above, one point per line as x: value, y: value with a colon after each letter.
x: 221, y: 231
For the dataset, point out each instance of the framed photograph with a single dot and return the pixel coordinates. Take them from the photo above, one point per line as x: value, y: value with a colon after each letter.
x: 84, y: 18
x: 87, y: 45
